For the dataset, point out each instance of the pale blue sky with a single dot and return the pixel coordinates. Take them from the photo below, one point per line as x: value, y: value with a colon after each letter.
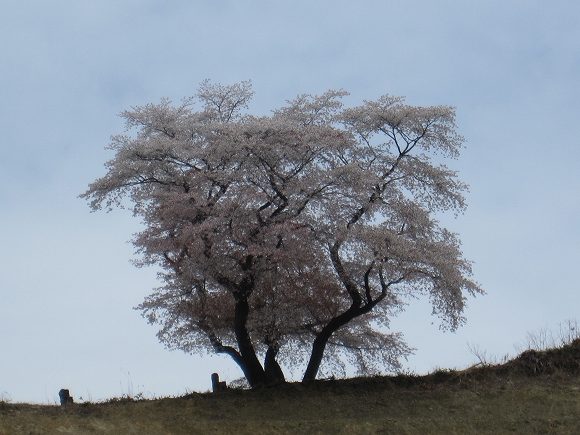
x: 67, y: 68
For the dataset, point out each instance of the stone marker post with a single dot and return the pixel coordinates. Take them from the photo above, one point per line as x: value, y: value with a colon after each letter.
x: 216, y: 385
x: 65, y: 397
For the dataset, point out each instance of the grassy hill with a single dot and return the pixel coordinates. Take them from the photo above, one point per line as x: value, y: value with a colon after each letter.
x: 537, y: 392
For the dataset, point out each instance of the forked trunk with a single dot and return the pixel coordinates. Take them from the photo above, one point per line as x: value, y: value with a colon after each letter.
x: 251, y: 366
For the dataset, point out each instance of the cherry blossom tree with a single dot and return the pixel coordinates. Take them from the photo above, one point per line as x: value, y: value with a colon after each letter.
x: 291, y: 239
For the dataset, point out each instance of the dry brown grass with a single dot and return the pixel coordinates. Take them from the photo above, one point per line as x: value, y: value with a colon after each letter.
x: 537, y: 392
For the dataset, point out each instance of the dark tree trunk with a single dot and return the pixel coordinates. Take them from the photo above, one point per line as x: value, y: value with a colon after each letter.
x: 250, y: 364
x: 356, y: 309
x: 274, y: 373
x: 318, y: 347
x: 319, y: 344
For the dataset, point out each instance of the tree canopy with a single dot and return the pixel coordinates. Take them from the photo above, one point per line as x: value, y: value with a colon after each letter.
x: 291, y: 239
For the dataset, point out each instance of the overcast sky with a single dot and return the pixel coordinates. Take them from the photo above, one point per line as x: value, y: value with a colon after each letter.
x: 68, y: 68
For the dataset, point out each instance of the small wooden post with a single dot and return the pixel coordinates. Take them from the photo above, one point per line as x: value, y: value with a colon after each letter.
x: 216, y: 385
x: 65, y: 397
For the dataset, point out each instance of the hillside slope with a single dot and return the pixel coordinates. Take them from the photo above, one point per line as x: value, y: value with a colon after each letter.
x: 537, y: 392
